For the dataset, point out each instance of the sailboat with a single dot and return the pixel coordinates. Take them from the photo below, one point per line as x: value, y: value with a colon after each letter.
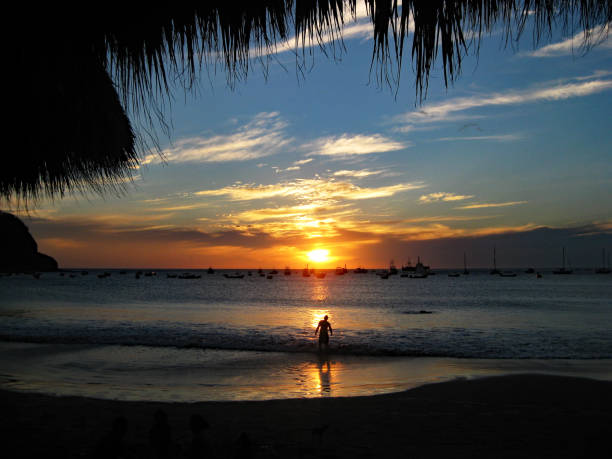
x: 305, y: 272
x: 494, y: 270
x: 563, y: 270
x: 392, y: 268
x: 604, y: 269
x: 465, y: 270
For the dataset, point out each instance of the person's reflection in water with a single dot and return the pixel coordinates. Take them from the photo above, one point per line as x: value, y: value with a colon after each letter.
x: 324, y: 374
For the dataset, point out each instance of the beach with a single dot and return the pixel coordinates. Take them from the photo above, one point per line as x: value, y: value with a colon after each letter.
x: 505, y: 416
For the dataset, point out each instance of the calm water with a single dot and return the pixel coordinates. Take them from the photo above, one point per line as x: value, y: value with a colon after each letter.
x: 252, y: 333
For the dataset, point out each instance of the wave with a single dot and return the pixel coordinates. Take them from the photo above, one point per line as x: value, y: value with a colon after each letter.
x: 456, y: 343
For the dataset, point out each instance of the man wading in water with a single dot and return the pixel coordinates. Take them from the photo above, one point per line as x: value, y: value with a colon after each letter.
x: 324, y: 325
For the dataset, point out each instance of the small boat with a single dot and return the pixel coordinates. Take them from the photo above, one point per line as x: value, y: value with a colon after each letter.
x: 384, y: 275
x: 320, y: 275
x: 210, y: 270
x: 529, y: 271
x: 360, y: 270
x: 234, y: 276
x: 150, y: 274
x: 103, y: 275
x: 189, y: 276
x: 604, y: 269
x: 539, y: 276
x: 507, y: 274
x: 171, y: 276
x: 84, y: 273
x: 340, y: 271
x: 287, y: 271
x: 563, y: 270
x: 274, y: 271
x: 305, y: 272
x: 269, y: 276
x: 392, y: 268
x: 418, y: 276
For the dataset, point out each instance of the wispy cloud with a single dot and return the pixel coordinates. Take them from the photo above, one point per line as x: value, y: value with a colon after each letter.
x: 599, y: 35
x: 492, y: 204
x: 357, y: 173
x: 453, y: 109
x: 354, y: 144
x: 309, y: 189
x: 494, y: 138
x: 263, y: 136
x: 442, y: 196
x: 301, y: 162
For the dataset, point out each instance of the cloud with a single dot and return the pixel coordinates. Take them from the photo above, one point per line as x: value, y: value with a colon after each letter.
x: 495, y: 138
x: 452, y: 109
x: 354, y: 144
x: 599, y: 35
x: 442, y: 196
x: 356, y: 174
x: 301, y: 162
x: 262, y: 136
x: 492, y: 204
x: 309, y: 189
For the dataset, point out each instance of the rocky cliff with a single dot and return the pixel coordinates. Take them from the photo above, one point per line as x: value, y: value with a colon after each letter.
x: 18, y: 249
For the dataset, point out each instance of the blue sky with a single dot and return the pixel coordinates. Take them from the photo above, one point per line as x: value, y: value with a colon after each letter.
x: 515, y: 153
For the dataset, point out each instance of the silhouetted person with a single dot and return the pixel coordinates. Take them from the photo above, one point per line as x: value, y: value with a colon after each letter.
x: 244, y: 448
x: 160, y: 436
x: 199, y: 447
x: 111, y: 446
x: 326, y: 330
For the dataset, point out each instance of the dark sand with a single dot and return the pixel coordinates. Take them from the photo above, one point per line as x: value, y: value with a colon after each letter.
x: 509, y: 416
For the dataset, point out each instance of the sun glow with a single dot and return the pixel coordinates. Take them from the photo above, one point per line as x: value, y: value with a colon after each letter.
x: 318, y: 255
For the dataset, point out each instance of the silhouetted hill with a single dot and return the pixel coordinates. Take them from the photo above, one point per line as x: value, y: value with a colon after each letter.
x: 18, y: 249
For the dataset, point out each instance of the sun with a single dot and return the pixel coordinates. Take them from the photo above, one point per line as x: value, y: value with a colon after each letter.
x: 318, y: 255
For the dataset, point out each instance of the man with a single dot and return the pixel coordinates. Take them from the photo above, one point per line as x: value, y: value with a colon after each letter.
x: 324, y: 326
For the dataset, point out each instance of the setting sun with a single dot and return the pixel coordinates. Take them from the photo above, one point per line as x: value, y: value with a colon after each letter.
x: 318, y: 255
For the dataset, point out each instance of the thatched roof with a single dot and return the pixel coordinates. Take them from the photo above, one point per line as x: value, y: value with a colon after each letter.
x: 73, y: 75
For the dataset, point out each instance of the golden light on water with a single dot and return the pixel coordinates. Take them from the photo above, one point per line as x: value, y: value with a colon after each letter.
x: 318, y: 255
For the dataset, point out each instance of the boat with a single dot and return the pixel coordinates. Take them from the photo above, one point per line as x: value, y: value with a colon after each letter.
x: 408, y: 266
x: 465, y: 270
x: 392, y: 268
x: 529, y: 271
x: 305, y: 272
x: 287, y: 271
x: 84, y: 273
x: 320, y: 275
x: 171, y: 276
x: 384, y: 275
x: 507, y: 274
x: 274, y: 271
x: 539, y: 276
x: 210, y: 270
x: 189, y: 276
x: 454, y: 274
x: 604, y: 269
x: 494, y: 270
x: 360, y: 270
x: 563, y: 270
x: 340, y: 271
x: 234, y: 276
x: 150, y: 273
x: 420, y: 270
x: 269, y: 276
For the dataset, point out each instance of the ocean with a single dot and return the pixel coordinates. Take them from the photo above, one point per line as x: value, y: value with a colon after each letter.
x: 214, y: 338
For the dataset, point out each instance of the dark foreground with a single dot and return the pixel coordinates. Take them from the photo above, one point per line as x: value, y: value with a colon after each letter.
x: 510, y: 416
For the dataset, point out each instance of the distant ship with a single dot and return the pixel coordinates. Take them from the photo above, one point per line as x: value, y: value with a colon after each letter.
x: 306, y: 272
x: 210, y: 270
x: 287, y: 271
x: 604, y: 269
x: 360, y: 270
x: 563, y: 270
x: 392, y: 268
x: 420, y: 270
x: 408, y: 266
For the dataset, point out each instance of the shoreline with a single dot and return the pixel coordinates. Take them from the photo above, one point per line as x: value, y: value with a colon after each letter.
x: 533, y: 415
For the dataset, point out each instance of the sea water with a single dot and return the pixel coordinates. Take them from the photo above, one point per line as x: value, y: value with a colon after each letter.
x: 214, y: 338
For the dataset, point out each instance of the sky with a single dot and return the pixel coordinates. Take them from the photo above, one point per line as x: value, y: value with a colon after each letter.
x: 515, y: 155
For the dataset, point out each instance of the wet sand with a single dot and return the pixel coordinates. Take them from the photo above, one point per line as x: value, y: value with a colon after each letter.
x: 507, y: 416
